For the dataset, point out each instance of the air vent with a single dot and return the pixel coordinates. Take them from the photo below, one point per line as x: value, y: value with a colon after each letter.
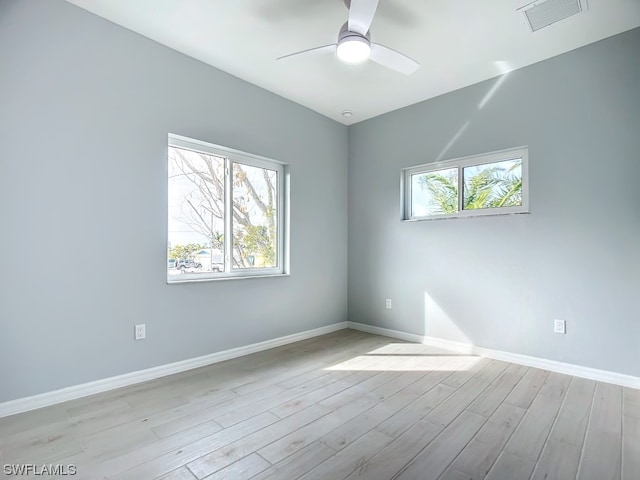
x: 541, y: 14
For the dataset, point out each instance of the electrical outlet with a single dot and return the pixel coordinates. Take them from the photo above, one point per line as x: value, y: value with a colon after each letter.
x: 559, y: 326
x: 141, y: 331
x: 387, y: 303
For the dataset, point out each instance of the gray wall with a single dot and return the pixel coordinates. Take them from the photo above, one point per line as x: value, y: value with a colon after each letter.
x: 84, y: 114
x: 499, y: 282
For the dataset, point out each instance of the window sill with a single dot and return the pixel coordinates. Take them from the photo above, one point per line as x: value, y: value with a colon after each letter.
x: 466, y: 215
x: 221, y: 279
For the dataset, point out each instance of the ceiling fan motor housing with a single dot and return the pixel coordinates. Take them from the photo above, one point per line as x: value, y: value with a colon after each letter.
x: 353, y: 47
x: 346, y: 33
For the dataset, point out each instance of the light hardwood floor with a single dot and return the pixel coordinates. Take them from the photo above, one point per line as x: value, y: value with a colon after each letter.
x: 345, y: 405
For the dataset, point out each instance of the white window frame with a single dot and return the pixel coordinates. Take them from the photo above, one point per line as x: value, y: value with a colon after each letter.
x: 461, y: 163
x: 282, y: 194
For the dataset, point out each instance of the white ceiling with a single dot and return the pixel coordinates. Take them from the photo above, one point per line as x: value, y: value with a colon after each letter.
x: 457, y: 43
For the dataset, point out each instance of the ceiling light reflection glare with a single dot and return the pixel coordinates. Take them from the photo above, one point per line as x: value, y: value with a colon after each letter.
x: 353, y: 49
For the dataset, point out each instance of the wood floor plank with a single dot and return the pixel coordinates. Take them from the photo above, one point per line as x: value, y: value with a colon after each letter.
x: 299, y: 463
x: 196, y: 432
x: 400, y: 382
x: 446, y: 412
x: 501, y: 425
x: 358, y: 390
x: 104, y: 420
x: 299, y: 403
x: 350, y: 458
x: 530, y: 436
x: 391, y: 459
x: 427, y: 382
x: 510, y: 467
x: 462, y: 376
x: 117, y: 440
x: 169, y: 421
x: 602, y: 451
x: 95, y: 421
x: 301, y: 369
x: 99, y: 465
x: 631, y: 399
x: 234, y: 451
x: 185, y: 422
x: 431, y: 462
x: 35, y: 435
x: 234, y: 403
x: 415, y: 411
x: 481, y: 452
x: 42, y: 451
x: 631, y: 448
x: 179, y: 474
x: 171, y: 453
x: 490, y: 399
x: 97, y: 406
x: 526, y: 390
x: 296, y: 440
x: 558, y: 461
x: 453, y: 474
x: 631, y: 434
x: 573, y: 417
x: 267, y: 403
x: 474, y: 461
x: 358, y: 426
x: 246, y: 467
x: 36, y: 420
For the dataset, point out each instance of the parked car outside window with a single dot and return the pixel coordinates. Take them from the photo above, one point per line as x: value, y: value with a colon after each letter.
x: 185, y: 263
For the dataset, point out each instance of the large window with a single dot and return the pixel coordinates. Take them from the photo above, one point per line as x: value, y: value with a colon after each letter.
x: 490, y: 184
x: 226, y: 213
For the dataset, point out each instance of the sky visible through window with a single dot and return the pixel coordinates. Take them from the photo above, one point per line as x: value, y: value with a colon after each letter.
x: 181, y: 187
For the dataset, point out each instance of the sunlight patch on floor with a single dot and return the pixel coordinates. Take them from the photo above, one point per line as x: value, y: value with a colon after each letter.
x: 397, y: 362
x: 410, y: 349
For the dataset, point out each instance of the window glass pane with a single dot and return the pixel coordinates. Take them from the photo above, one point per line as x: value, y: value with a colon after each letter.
x: 493, y: 185
x: 434, y: 192
x: 255, y: 213
x: 196, y: 213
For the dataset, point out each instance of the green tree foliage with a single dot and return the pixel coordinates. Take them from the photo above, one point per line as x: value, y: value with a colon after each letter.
x: 494, y: 187
x: 185, y: 251
x: 257, y: 239
x: 443, y: 189
x: 491, y: 187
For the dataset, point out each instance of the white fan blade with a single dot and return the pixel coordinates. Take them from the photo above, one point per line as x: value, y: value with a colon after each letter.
x: 394, y: 60
x: 361, y: 14
x: 315, y: 50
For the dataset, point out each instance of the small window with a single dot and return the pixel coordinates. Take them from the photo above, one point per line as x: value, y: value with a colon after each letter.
x: 490, y: 184
x: 226, y: 213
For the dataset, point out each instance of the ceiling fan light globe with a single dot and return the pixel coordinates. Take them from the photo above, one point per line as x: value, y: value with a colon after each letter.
x: 353, y: 50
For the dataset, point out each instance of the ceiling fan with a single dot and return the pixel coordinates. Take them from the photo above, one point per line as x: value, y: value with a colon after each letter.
x: 354, y: 43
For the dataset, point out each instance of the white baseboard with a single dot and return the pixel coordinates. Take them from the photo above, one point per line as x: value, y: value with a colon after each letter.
x: 409, y: 337
x: 551, y: 365
x: 20, y: 405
